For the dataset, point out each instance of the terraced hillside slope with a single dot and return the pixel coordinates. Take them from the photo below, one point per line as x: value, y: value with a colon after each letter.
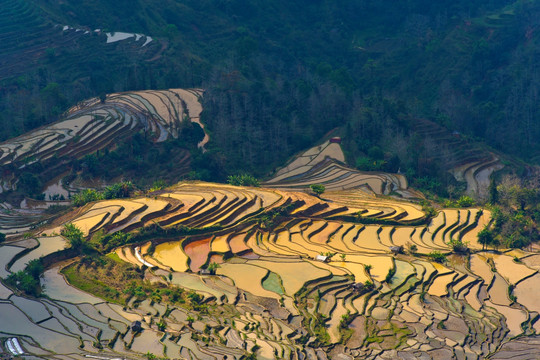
x: 276, y: 274
x: 325, y: 164
x: 96, y: 124
x: 466, y: 160
x: 29, y: 38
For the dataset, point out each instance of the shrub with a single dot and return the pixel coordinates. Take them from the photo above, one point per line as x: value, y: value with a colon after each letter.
x: 76, y: 239
x: 116, y: 191
x: 243, y: 180
x: 465, y: 201
x: 119, y: 190
x: 74, y: 235
x: 317, y: 189
x: 212, y: 267
x: 428, y: 209
x: 27, y: 280
x: 437, y: 256
x: 368, y: 285
x: 158, y: 185
x: 86, y: 196
x: 459, y: 246
x: 390, y: 275
x: 485, y: 237
x: 2, y: 237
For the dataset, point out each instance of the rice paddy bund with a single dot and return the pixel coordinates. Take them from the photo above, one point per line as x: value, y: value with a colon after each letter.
x: 276, y: 273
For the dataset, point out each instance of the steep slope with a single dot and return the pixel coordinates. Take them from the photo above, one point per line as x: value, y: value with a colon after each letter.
x: 97, y: 124
x: 324, y: 164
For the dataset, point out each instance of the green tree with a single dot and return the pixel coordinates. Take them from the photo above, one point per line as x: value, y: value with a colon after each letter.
x: 493, y: 193
x: 2, y: 237
x: 212, y: 267
x: 318, y: 189
x: 76, y: 239
x: 485, y: 237
x: 27, y: 280
x: 29, y: 183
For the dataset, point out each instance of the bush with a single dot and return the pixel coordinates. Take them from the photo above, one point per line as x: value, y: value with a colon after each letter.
x: 317, y: 189
x: 116, y: 191
x: 2, y: 237
x: 485, y: 237
x: 212, y: 267
x: 27, y: 280
x: 30, y: 184
x: 390, y: 275
x: 459, y: 246
x: 243, y: 180
x: 86, y: 196
x: 76, y: 239
x: 465, y: 201
x: 437, y: 256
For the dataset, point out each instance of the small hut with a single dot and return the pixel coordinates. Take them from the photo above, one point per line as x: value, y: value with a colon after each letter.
x: 396, y: 249
x: 321, y: 258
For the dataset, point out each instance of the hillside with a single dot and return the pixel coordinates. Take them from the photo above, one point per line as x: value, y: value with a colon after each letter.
x: 271, y: 294
x: 273, y: 85
x: 40, y: 156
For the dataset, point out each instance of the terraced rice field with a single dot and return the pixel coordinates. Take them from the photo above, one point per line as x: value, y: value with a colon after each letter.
x: 93, y: 125
x: 324, y: 164
x: 271, y: 288
x: 466, y: 161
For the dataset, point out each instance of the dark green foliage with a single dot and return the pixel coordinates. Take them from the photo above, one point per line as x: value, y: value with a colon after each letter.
x: 485, y: 237
x: 212, y: 267
x: 269, y: 219
x: 86, y: 196
x: 158, y: 185
x: 517, y: 215
x: 119, y: 190
x: 511, y: 296
x: 493, y: 192
x: 369, y: 285
x: 29, y: 184
x: 2, y: 237
x: 318, y: 189
x: 27, y: 280
x: 428, y: 209
x: 390, y: 275
x: 243, y: 180
x: 115, y: 191
x: 115, y: 240
x: 459, y: 246
x: 137, y: 157
x: 465, y: 201
x: 74, y: 235
x: 277, y: 84
x: 437, y: 256
x: 76, y: 239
